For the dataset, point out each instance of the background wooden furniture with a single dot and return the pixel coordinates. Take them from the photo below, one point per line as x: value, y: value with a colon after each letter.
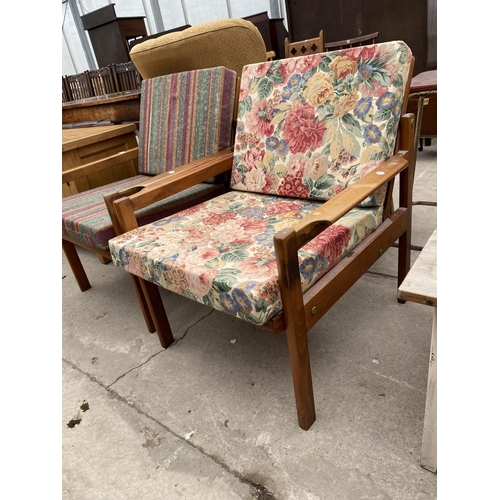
x: 273, y: 32
x: 126, y: 76
x: 110, y: 34
x: 84, y: 145
x: 102, y: 81
x: 352, y: 42
x: 420, y: 286
x: 66, y: 91
x: 303, y: 47
x: 137, y: 41
x: 394, y: 20
x: 114, y: 108
x: 79, y: 86
x: 423, y: 92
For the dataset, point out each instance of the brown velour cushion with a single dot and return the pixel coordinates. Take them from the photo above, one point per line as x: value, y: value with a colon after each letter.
x: 232, y: 43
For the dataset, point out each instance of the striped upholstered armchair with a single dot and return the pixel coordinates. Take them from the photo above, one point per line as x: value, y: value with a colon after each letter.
x: 184, y: 117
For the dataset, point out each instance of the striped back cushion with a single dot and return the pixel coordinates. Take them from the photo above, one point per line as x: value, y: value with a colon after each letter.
x: 310, y: 126
x: 185, y: 116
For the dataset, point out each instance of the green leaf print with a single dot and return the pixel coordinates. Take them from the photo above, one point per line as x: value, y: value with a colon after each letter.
x: 234, y: 256
x: 324, y: 182
x: 265, y: 88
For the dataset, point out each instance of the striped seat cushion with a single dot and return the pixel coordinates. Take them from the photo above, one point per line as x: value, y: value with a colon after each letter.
x: 185, y: 116
x: 85, y: 217
x: 221, y: 252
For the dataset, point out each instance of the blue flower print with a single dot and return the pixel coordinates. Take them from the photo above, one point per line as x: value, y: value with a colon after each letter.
x: 386, y: 100
x: 243, y: 302
x: 372, y: 134
x: 283, y: 148
x: 362, y: 107
x: 365, y: 72
x: 307, y: 268
x: 272, y: 143
x: 228, y: 304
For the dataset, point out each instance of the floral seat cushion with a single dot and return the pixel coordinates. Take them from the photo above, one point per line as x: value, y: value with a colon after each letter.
x: 310, y: 126
x: 221, y: 252
x: 85, y: 217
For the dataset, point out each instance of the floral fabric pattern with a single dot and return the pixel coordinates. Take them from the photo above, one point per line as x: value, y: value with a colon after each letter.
x: 310, y: 126
x: 221, y: 252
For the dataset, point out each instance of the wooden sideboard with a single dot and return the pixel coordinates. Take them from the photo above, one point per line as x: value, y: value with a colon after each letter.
x: 86, y: 144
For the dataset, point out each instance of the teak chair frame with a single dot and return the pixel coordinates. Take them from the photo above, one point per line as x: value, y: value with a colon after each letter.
x: 301, y: 311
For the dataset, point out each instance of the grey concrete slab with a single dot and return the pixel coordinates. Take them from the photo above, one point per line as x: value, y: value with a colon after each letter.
x: 113, y: 451
x: 236, y: 399
x: 213, y: 416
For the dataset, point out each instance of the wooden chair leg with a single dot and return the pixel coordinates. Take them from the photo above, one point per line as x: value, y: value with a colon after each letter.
x: 301, y: 374
x: 103, y: 260
x: 76, y: 265
x: 157, y: 311
x: 296, y: 329
x: 143, y: 303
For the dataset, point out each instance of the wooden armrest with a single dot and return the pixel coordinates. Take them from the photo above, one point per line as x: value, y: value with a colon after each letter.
x: 99, y: 165
x: 321, y: 218
x: 123, y: 204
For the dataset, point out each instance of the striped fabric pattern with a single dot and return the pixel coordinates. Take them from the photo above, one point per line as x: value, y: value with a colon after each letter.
x: 85, y: 217
x: 178, y: 117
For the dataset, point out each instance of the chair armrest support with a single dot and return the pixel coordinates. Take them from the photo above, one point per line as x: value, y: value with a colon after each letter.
x: 75, y: 173
x: 317, y: 221
x: 123, y: 204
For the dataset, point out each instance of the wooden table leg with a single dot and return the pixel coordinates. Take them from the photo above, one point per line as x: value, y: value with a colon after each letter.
x: 429, y: 439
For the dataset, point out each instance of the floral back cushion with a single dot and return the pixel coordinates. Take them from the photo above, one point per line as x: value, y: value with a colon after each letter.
x: 309, y: 126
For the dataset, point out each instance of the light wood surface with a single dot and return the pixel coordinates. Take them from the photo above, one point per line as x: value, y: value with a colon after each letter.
x: 84, y: 145
x: 420, y: 286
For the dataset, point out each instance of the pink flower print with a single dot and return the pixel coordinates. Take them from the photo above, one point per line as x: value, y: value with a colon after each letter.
x: 252, y: 225
x: 251, y: 158
x: 259, y: 265
x: 302, y: 65
x: 259, y: 119
x: 200, y: 256
x: 293, y: 186
x: 302, y: 130
x: 195, y: 236
x: 215, y: 219
x: 255, y: 180
x: 271, y: 184
x: 296, y: 164
x: 227, y: 232
x: 330, y: 243
x: 200, y: 280
x: 282, y: 207
x: 262, y: 69
x: 136, y: 266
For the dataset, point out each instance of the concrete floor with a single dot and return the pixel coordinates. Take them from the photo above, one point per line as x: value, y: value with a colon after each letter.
x: 213, y: 416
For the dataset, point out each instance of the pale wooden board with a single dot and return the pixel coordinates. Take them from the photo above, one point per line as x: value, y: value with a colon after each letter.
x: 420, y: 284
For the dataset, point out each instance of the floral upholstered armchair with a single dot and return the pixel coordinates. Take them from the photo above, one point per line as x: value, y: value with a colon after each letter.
x: 319, y: 142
